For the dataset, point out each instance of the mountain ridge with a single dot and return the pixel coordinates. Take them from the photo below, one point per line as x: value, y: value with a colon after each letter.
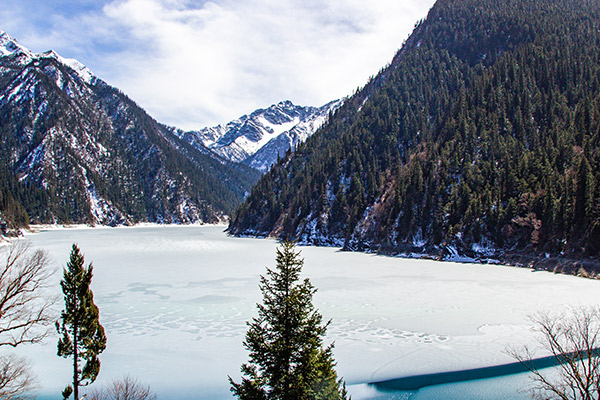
x: 259, y: 138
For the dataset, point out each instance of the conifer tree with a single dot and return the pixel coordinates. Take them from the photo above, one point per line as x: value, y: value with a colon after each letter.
x: 83, y: 337
x: 285, y: 341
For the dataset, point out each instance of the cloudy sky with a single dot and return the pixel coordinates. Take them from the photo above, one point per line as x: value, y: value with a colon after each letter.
x: 196, y: 63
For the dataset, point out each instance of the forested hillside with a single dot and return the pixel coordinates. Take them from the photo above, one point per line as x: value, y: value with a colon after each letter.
x: 481, y: 138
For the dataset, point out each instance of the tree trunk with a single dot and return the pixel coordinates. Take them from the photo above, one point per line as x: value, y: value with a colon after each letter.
x: 75, y: 369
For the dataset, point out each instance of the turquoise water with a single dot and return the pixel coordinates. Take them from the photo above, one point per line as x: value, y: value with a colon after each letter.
x: 513, y: 387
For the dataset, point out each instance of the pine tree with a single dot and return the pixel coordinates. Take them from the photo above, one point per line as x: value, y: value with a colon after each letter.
x: 83, y: 337
x: 285, y: 341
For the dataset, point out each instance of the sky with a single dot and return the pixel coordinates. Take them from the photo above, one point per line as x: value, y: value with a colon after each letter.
x: 196, y: 63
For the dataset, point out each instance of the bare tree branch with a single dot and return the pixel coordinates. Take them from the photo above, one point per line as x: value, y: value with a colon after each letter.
x: 24, y: 303
x: 16, y: 379
x: 573, y: 338
x: 126, y: 388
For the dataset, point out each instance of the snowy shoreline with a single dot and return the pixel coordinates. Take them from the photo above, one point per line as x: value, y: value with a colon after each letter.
x: 585, y: 268
x: 35, y: 228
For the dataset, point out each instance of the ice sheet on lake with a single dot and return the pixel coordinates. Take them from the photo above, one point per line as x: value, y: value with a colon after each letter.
x: 174, y: 302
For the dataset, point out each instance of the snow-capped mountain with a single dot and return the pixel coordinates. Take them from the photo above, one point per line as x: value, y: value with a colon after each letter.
x: 9, y: 47
x: 259, y: 138
x: 75, y: 149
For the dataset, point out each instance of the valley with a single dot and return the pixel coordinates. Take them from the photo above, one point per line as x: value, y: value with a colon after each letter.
x: 442, y: 208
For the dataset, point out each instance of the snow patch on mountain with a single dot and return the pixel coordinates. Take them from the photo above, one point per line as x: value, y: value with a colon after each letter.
x: 35, y: 157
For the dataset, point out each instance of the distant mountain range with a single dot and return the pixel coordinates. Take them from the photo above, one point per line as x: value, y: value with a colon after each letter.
x: 76, y: 150
x: 260, y: 138
x: 480, y: 140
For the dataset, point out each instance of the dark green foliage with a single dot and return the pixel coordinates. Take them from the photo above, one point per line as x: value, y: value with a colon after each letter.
x: 67, y: 392
x: 287, y: 357
x: 83, y: 337
x: 484, y: 131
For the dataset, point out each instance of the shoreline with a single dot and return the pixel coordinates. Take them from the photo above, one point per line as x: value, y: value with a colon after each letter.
x: 585, y: 268
x: 581, y: 267
x: 35, y: 228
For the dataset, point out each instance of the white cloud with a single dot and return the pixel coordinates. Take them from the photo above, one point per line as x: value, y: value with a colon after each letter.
x: 196, y: 63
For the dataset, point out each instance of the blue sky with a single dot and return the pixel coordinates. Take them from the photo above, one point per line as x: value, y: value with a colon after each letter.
x: 199, y: 63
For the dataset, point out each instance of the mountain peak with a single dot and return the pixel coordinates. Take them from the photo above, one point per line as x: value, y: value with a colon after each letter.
x: 82, y: 71
x: 452, y: 150
x: 286, y: 104
x: 75, y: 152
x: 10, y: 47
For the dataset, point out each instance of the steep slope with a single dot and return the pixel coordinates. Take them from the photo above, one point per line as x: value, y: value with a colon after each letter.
x: 260, y: 138
x: 480, y: 139
x: 75, y: 150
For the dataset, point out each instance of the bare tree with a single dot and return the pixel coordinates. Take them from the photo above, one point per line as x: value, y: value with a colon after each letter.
x: 126, y: 388
x: 24, y: 305
x: 24, y: 313
x: 16, y: 378
x: 573, y: 339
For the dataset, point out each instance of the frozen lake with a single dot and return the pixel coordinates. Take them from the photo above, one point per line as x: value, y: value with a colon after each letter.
x: 174, y: 301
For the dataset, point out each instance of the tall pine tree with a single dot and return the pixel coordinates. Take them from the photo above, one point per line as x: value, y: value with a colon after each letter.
x: 285, y: 341
x: 83, y: 337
